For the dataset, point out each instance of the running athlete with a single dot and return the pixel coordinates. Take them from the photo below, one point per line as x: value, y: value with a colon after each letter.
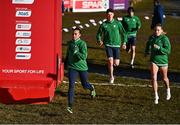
x: 159, y: 48
x: 131, y: 24
x: 76, y: 61
x: 109, y: 36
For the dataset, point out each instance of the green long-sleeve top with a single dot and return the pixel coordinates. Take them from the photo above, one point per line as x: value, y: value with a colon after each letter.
x: 131, y: 25
x: 77, y: 55
x: 109, y: 33
x: 159, y: 55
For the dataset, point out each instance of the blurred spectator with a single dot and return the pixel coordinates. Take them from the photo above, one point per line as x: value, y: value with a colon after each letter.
x: 157, y: 14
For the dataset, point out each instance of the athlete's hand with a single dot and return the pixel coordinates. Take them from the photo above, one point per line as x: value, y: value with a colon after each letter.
x: 156, y: 46
x: 100, y: 43
x: 76, y: 49
x: 124, y: 46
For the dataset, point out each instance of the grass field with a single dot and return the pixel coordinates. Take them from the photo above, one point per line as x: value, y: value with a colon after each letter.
x: 114, y: 104
x: 129, y: 100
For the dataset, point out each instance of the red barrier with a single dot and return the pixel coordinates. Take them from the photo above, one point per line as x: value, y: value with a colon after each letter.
x: 30, y: 50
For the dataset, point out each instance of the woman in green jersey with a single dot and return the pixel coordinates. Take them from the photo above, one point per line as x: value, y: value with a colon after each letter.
x: 159, y: 48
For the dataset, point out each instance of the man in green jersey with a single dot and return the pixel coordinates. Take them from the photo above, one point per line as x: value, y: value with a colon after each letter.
x: 109, y: 35
x: 159, y: 48
x: 131, y: 24
x: 76, y: 61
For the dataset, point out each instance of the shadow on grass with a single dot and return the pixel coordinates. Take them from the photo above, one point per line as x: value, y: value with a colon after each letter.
x: 125, y: 71
x: 50, y: 114
x: 60, y: 92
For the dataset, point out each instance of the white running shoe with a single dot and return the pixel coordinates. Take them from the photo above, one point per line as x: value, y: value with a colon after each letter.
x: 93, y: 92
x: 69, y: 109
x: 156, y: 101
x: 132, y: 66
x: 168, y: 96
x: 111, y: 80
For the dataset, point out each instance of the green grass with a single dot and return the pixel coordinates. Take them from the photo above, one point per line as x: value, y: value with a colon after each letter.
x: 130, y: 100
x: 113, y: 104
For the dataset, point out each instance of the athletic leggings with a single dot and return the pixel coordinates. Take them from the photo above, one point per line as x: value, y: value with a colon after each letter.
x: 72, y: 75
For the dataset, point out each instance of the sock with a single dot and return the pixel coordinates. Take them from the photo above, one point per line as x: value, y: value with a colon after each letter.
x: 168, y: 90
x: 168, y: 94
x: 132, y: 61
x: 156, y: 95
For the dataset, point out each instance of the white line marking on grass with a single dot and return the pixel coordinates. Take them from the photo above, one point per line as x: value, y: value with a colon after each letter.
x: 94, y: 24
x: 104, y: 20
x: 92, y: 21
x: 74, y: 27
x: 164, y: 16
x: 87, y: 25
x: 100, y: 22
x: 146, y: 17
x: 119, y: 18
x: 80, y: 26
x: 122, y: 85
x: 65, y: 30
x: 77, y: 22
x: 119, y: 84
